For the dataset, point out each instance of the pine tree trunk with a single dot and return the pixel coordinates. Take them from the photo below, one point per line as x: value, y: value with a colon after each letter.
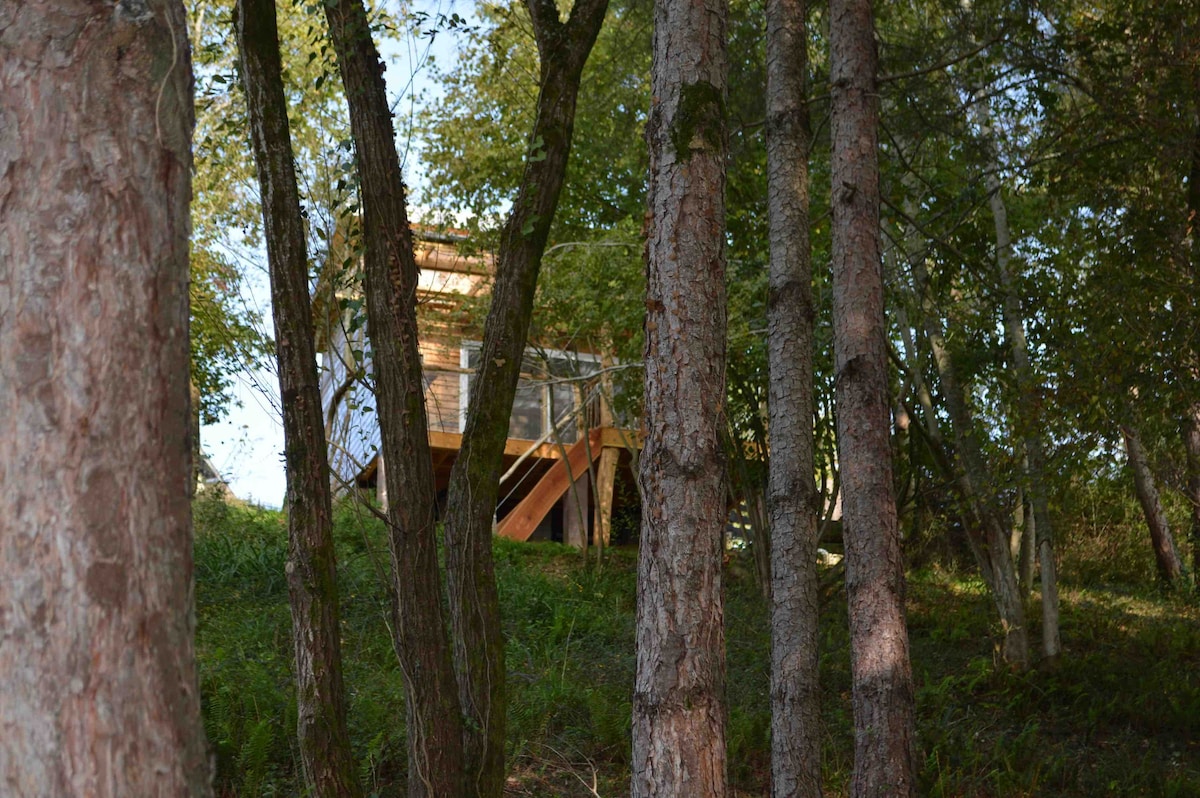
x: 1166, y: 556
x: 434, y: 716
x: 678, y: 703
x: 884, y: 755
x: 791, y: 494
x: 563, y: 50
x: 312, y: 565
x: 98, y: 688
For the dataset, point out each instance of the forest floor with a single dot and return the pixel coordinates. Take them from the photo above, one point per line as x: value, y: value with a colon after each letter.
x: 1118, y: 715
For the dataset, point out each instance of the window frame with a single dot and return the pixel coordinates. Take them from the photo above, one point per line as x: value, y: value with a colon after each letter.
x: 545, y: 387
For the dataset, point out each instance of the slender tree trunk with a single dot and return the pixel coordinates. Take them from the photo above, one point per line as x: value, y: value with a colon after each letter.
x: 1191, y: 429
x: 1017, y: 535
x: 990, y: 539
x: 791, y: 493
x: 98, y: 689
x: 1029, y: 417
x: 434, y: 716
x: 678, y: 702
x: 931, y: 429
x: 563, y: 49
x: 312, y: 565
x: 1191, y: 442
x: 884, y: 738
x: 1166, y: 556
x: 1028, y: 555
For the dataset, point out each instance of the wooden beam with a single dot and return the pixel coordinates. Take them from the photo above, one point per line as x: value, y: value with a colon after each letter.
x: 525, y: 517
x: 617, y: 438
x: 513, y: 447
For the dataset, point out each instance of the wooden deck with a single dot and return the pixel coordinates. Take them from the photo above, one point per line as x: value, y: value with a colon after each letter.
x: 548, y: 489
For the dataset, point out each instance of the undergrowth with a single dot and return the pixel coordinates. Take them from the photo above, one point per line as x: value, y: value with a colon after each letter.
x: 1118, y: 715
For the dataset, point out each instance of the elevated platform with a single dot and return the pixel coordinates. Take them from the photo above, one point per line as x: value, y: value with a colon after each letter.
x: 549, y: 491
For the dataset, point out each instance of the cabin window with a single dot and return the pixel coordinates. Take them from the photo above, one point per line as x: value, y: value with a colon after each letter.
x: 549, y: 392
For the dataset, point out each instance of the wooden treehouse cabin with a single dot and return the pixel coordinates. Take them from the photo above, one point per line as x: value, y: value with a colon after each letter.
x: 566, y: 463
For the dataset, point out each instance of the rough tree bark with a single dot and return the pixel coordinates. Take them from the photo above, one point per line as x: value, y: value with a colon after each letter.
x: 312, y: 565
x: 792, y: 498
x: 434, y: 715
x: 1166, y: 556
x: 98, y: 690
x: 884, y: 754
x: 563, y: 49
x: 678, y: 701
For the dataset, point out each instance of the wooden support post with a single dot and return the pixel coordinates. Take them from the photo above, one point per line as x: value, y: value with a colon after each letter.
x: 606, y: 469
x: 576, y: 509
x: 606, y: 476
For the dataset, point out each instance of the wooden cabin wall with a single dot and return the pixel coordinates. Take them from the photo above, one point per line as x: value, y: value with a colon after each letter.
x: 440, y: 359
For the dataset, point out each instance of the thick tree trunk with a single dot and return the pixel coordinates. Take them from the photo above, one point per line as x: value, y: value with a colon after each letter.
x: 884, y: 753
x: 312, y: 566
x: 563, y: 50
x: 434, y: 715
x: 1191, y: 442
x: 1166, y: 556
x: 791, y: 494
x: 678, y: 702
x: 98, y: 690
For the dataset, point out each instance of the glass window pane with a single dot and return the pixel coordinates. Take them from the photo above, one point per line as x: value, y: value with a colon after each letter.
x: 526, y: 419
x: 563, y: 397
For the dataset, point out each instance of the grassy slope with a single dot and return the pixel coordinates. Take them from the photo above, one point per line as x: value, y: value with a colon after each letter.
x: 1120, y: 715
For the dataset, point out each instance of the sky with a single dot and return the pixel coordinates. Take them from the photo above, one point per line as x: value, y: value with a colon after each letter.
x: 247, y: 445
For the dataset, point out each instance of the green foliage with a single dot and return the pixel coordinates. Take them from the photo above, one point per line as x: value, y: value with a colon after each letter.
x: 1110, y: 719
x: 477, y: 136
x: 227, y: 336
x: 747, y: 646
x: 1104, y: 538
x: 567, y: 624
x: 1116, y: 716
x: 244, y: 645
x: 1094, y: 110
x: 590, y: 297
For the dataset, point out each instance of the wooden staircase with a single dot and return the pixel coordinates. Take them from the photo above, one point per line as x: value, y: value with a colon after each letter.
x: 528, y: 514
